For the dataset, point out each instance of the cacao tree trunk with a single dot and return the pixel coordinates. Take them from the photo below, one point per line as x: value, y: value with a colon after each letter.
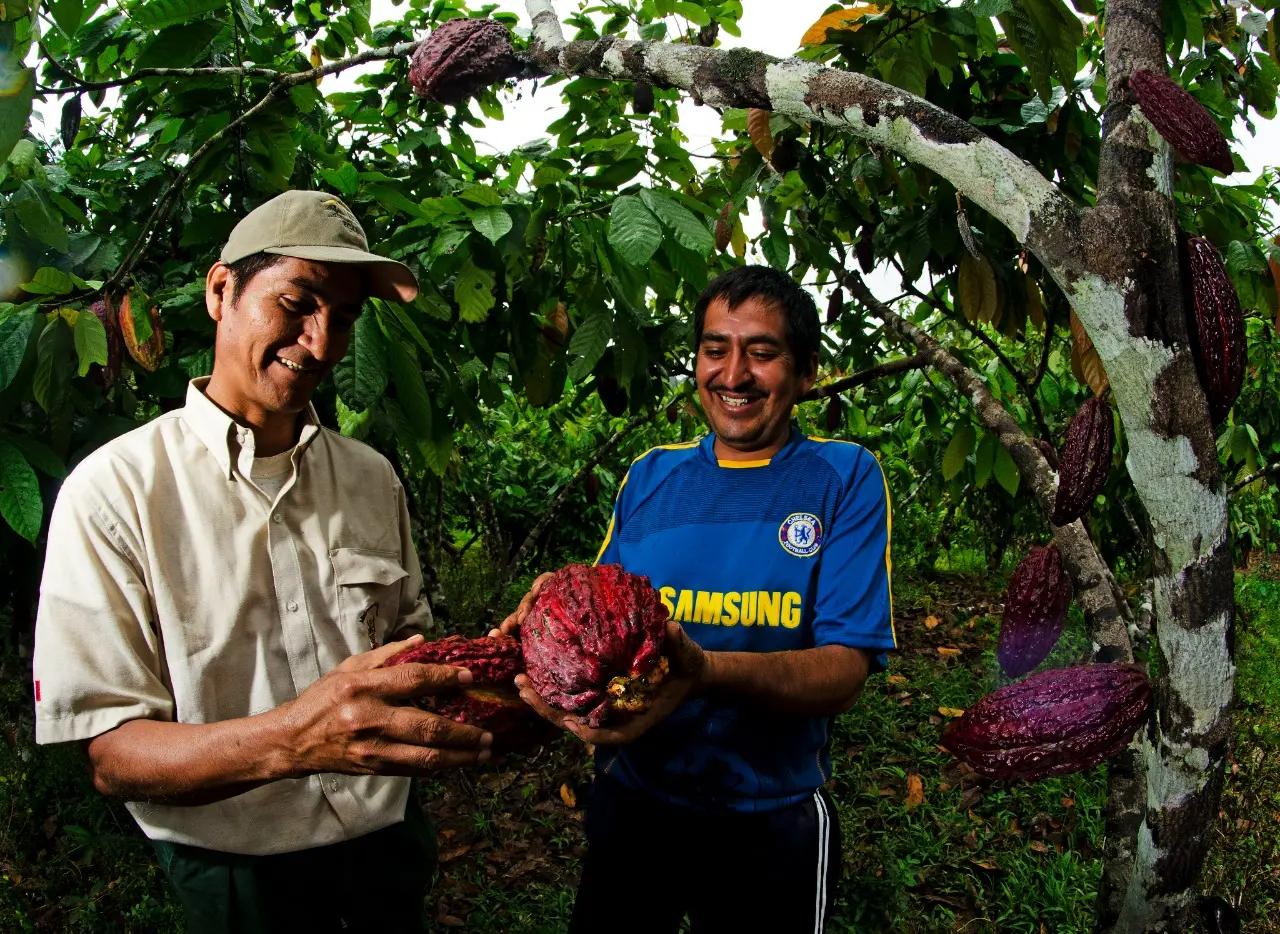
x: 1117, y: 264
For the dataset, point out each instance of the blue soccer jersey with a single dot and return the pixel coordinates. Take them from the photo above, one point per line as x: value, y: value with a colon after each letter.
x: 757, y: 556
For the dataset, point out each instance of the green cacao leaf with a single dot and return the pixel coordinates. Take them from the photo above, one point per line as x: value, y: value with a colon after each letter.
x: 957, y: 451
x: 156, y: 14
x: 688, y: 230
x: 15, y: 334
x: 492, y: 222
x: 40, y: 456
x: 410, y: 389
x: 1006, y: 471
x: 473, y: 291
x: 589, y: 342
x: 15, y: 109
x: 633, y: 230
x: 985, y: 459
x: 20, y: 502
x: 90, y: 341
x: 49, y: 281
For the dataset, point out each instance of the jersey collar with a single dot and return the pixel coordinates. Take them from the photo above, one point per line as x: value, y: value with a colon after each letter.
x: 709, y: 452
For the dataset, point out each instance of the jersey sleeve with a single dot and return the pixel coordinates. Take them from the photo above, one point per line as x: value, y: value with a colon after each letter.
x: 854, y: 604
x: 97, y: 660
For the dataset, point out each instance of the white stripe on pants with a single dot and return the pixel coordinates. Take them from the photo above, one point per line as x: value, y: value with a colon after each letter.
x: 820, y: 907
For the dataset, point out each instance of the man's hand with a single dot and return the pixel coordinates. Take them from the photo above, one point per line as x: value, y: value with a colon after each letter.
x: 511, y: 625
x: 688, y: 669
x: 356, y: 720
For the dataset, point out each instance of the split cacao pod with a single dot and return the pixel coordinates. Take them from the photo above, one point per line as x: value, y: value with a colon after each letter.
x: 491, y: 702
x: 1084, y: 462
x: 592, y: 641
x: 1217, y: 332
x: 460, y: 59
x: 1181, y: 120
x: 147, y: 355
x: 1035, y: 609
x: 1053, y: 723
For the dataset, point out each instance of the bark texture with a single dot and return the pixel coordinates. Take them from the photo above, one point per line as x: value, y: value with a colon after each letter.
x: 1117, y: 264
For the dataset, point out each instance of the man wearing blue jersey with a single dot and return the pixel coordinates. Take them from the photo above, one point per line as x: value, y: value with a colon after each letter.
x: 771, y: 553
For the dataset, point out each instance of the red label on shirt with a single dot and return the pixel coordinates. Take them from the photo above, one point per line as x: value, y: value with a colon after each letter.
x: 37, y: 692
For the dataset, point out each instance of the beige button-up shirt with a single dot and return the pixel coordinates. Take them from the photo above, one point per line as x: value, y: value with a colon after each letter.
x: 177, y: 589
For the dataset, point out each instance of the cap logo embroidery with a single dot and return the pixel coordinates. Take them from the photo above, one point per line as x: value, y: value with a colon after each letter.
x: 343, y: 213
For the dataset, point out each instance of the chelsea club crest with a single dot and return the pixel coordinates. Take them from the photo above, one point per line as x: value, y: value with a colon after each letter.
x: 801, y: 534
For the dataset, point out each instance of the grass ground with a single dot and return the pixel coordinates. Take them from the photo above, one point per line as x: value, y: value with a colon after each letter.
x: 929, y: 847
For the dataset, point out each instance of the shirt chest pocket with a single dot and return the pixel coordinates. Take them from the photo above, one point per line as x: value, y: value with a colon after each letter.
x: 369, y: 592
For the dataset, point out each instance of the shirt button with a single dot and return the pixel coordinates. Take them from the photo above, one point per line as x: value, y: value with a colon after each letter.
x: 333, y: 784
x: 277, y: 518
x: 293, y: 606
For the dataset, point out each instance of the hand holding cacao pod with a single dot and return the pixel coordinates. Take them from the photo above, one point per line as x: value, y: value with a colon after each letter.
x: 357, y: 719
x: 592, y: 641
x: 491, y: 701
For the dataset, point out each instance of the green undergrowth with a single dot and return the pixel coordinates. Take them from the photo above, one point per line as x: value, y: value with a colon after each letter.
x: 928, y: 847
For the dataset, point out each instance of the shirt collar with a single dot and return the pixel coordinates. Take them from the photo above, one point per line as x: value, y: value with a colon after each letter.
x: 222, y: 435
x: 709, y: 451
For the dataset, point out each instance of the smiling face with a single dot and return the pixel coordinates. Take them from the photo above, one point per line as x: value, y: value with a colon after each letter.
x: 279, y: 335
x: 748, y: 378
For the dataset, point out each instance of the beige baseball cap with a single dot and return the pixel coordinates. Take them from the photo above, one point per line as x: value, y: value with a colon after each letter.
x: 318, y: 226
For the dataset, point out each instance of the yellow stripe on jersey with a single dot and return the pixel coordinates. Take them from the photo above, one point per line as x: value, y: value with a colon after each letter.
x: 613, y: 516
x: 888, y: 518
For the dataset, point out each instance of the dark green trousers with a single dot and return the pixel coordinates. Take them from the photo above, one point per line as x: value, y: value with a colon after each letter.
x: 374, y: 883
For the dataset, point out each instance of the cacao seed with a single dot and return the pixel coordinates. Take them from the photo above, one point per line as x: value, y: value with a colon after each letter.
x: 460, y: 59
x: 1085, y: 461
x: 1217, y: 332
x: 1053, y: 723
x: 1035, y: 610
x: 1181, y: 120
x: 592, y: 641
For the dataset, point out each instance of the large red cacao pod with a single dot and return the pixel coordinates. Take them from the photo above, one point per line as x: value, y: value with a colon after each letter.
x: 1035, y: 609
x: 460, y: 59
x: 592, y: 641
x: 1217, y: 334
x: 490, y: 659
x: 1181, y: 120
x: 1057, y: 722
x: 1084, y: 462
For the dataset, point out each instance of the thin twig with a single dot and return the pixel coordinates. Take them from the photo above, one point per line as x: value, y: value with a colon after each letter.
x: 283, y: 83
x: 900, y: 365
x: 1237, y: 487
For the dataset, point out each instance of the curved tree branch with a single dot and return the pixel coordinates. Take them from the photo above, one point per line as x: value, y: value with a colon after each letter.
x: 869, y: 375
x: 1241, y: 484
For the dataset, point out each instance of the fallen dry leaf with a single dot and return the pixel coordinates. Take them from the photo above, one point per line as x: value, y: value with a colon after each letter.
x: 932, y: 622
x: 567, y: 796
x: 897, y: 679
x: 1039, y: 846
x: 450, y: 921
x: 452, y: 854
x: 951, y: 711
x: 948, y: 652
x: 915, y: 790
x: 1068, y: 802
x: 984, y: 864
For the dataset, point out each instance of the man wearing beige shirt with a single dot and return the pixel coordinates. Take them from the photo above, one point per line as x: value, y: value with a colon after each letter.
x: 223, y: 585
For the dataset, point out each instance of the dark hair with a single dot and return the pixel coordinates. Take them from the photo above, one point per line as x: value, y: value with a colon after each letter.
x: 245, y: 268
x: 800, y: 314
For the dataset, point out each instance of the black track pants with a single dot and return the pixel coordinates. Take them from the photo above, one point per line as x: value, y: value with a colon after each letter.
x: 650, y: 864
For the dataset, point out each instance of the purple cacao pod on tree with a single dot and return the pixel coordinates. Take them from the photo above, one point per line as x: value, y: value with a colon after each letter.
x: 1181, y: 120
x: 460, y: 59
x: 1217, y: 326
x: 1054, y: 723
x: 1085, y: 461
x: 1035, y: 609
